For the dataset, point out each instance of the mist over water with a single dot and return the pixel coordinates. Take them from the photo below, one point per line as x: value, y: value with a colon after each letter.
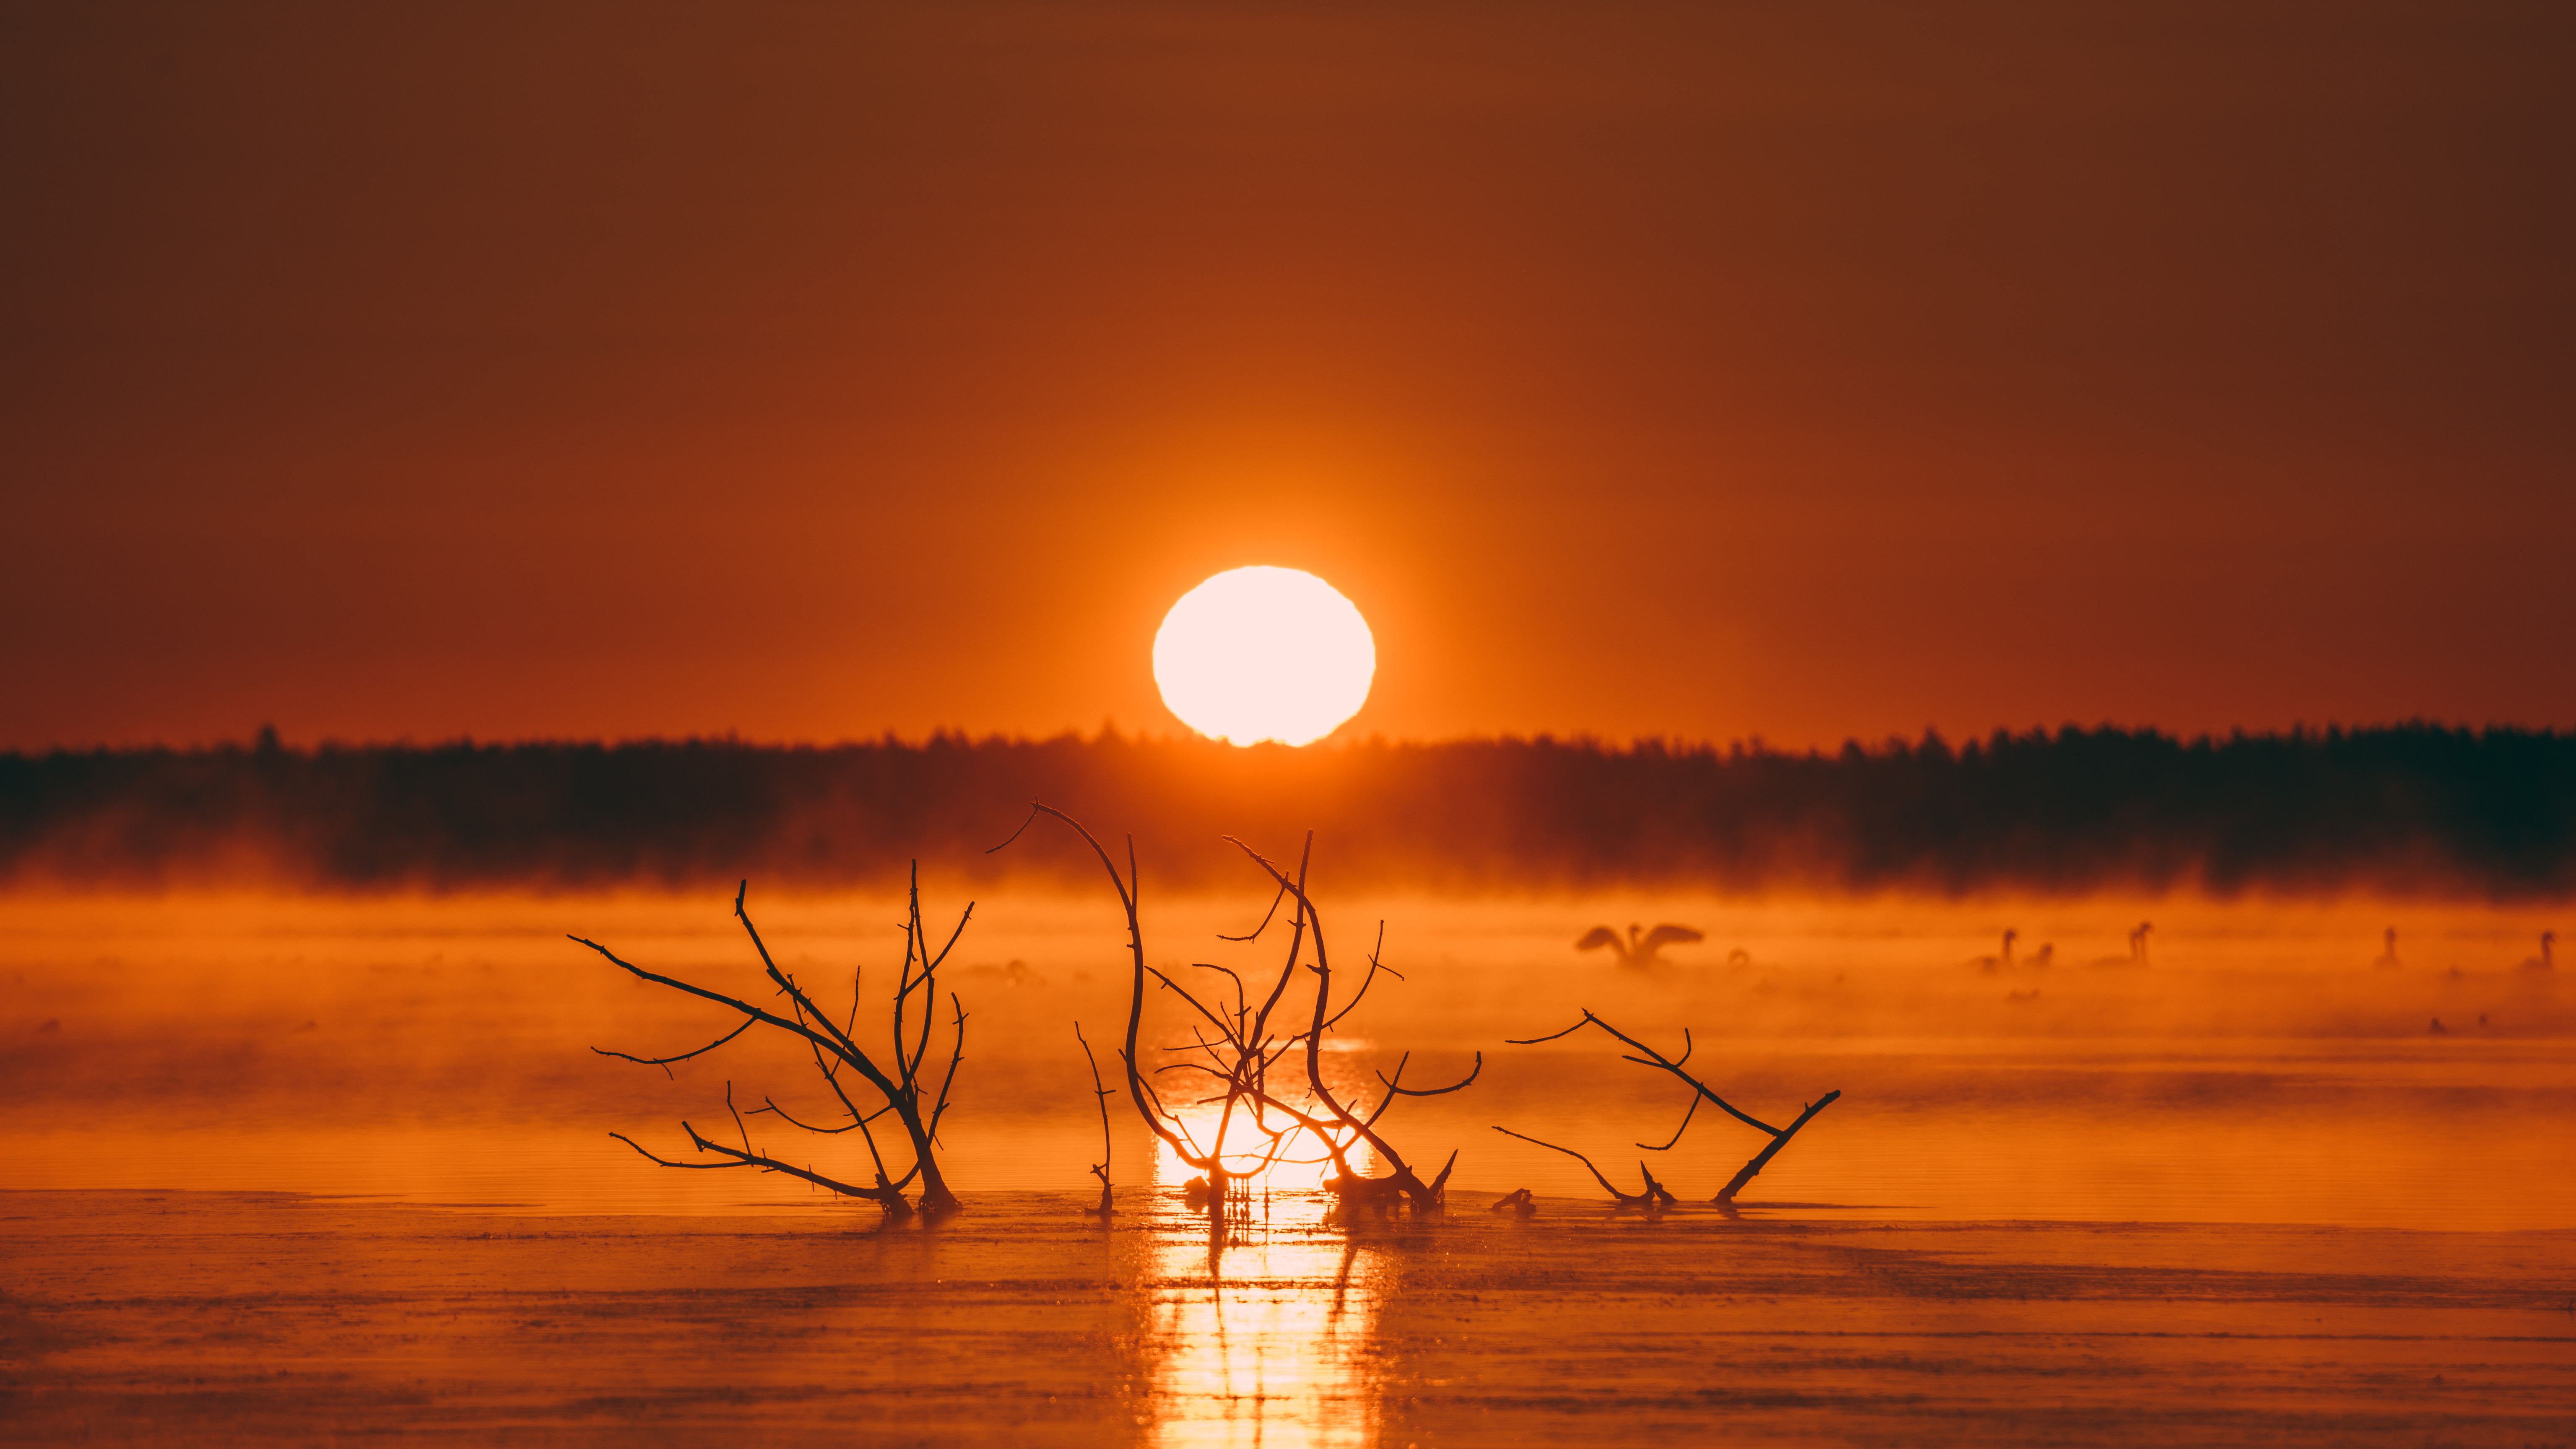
x: 2262, y: 1064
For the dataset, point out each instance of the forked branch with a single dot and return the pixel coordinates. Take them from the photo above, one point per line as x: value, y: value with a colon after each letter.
x: 834, y: 1048
x: 1654, y: 1199
x: 1647, y: 1056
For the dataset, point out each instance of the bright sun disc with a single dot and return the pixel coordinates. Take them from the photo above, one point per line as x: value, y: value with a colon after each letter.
x: 1264, y: 654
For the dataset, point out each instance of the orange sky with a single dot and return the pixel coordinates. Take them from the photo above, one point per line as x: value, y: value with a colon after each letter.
x: 1705, y: 369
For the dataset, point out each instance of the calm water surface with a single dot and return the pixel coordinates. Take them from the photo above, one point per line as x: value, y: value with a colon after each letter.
x: 2240, y: 1189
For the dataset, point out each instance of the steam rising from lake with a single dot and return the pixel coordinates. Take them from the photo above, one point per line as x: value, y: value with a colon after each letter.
x: 2259, y: 1067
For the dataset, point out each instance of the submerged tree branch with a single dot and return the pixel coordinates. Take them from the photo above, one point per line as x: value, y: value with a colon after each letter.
x: 832, y: 1047
x: 1654, y: 1198
x: 1701, y: 1091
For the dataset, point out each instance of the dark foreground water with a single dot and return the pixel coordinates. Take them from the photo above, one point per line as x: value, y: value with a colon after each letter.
x: 246, y: 1318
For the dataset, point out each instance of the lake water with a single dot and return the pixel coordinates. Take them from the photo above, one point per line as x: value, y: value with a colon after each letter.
x: 291, y: 1168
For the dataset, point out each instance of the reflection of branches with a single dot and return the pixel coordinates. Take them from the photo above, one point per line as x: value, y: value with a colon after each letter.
x: 1701, y: 1091
x: 904, y: 1090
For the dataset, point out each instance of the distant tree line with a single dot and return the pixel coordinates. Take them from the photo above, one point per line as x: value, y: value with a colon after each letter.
x: 2418, y: 809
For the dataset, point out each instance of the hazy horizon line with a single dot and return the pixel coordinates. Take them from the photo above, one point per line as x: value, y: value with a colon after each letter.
x: 1109, y: 732
x: 2420, y: 808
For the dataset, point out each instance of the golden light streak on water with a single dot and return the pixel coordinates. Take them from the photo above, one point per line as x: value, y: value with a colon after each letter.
x: 1262, y: 1315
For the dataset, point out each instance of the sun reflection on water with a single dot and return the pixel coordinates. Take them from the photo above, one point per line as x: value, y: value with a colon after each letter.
x: 1263, y: 1314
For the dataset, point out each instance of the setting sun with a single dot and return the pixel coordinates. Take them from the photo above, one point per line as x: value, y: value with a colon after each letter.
x: 1264, y: 653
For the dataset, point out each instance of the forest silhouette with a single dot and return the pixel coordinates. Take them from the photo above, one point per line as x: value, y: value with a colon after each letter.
x: 2413, y: 809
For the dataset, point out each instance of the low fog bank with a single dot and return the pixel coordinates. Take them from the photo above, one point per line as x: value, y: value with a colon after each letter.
x: 448, y: 1004
x: 2414, y: 811
x: 440, y: 1046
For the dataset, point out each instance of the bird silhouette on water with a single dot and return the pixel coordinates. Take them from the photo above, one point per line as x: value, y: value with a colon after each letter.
x: 1641, y: 948
x: 2137, y: 948
x: 2547, y: 960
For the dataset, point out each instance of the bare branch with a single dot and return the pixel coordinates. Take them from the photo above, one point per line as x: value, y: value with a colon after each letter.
x: 1391, y: 1088
x: 849, y: 1048
x: 1459, y: 1085
x: 1100, y: 1098
x: 1239, y: 998
x: 1375, y: 966
x: 832, y: 1047
x: 665, y: 1062
x: 1139, y: 1091
x: 1183, y: 992
x: 1690, y: 1112
x: 1551, y: 1036
x: 853, y: 1125
x: 941, y: 1110
x: 1259, y: 1030
x: 855, y: 1058
x: 1763, y: 1158
x: 1034, y: 812
x: 1655, y: 1196
x: 1661, y: 1062
x: 886, y: 1195
x: 684, y: 1166
x: 1276, y: 897
x: 1577, y: 1156
x: 1649, y: 1057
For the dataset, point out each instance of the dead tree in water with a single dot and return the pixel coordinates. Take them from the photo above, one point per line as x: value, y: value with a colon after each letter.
x: 1354, y: 1187
x: 1239, y: 1057
x: 1100, y: 1098
x: 1654, y: 1199
x: 836, y: 1053
x: 1700, y: 1092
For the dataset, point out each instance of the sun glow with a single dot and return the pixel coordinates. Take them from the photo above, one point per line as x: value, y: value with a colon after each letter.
x: 1264, y: 653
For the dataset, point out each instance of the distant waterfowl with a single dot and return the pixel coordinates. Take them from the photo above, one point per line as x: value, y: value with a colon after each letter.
x: 2002, y: 962
x: 2388, y: 958
x: 2547, y: 959
x: 2137, y: 948
x: 1641, y: 948
x: 2437, y: 1028
x: 1739, y: 957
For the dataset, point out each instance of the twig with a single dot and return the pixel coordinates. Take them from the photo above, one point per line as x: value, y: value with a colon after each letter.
x: 1701, y: 1092
x: 1654, y: 1197
x: 1763, y: 1158
x: 665, y: 1062
x: 1100, y: 1098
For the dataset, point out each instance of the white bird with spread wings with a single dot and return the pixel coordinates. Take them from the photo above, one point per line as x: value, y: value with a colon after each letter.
x: 1641, y: 948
